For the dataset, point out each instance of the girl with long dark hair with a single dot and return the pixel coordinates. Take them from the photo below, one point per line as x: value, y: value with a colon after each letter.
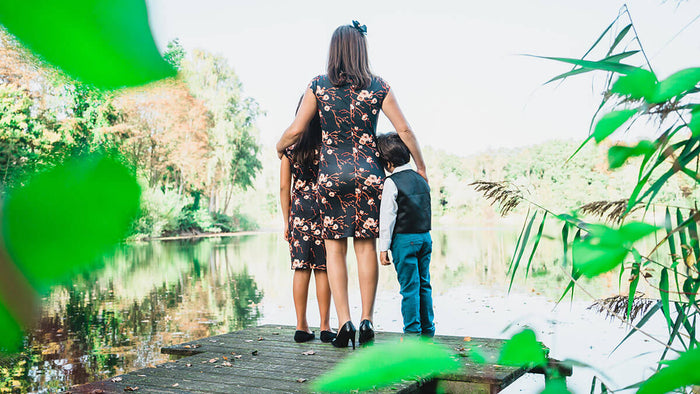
x: 302, y: 229
x: 348, y: 100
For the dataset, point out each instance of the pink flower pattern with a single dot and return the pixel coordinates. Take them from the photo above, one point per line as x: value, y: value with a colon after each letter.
x: 350, y: 176
x: 306, y: 247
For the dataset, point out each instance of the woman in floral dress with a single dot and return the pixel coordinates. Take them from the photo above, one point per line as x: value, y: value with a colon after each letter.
x: 348, y: 99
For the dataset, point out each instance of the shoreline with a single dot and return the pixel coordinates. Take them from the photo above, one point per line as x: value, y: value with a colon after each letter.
x: 279, y: 230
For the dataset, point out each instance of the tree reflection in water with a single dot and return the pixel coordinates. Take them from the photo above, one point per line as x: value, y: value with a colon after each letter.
x: 116, y: 319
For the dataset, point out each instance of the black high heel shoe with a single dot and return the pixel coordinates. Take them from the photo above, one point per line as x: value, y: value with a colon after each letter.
x: 327, y: 336
x: 366, y: 332
x: 345, y: 335
x: 303, y: 336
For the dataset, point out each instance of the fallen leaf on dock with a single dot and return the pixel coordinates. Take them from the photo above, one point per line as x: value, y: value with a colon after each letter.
x: 238, y: 356
x: 213, y: 360
x: 467, y: 339
x: 249, y: 340
x: 97, y: 391
x: 275, y: 333
x: 129, y: 388
x: 117, y: 379
x: 143, y: 376
x: 301, y: 380
x: 308, y: 352
x: 188, y: 365
x: 226, y: 364
x: 176, y: 384
x: 279, y: 328
x: 254, y: 352
x: 261, y: 339
x: 192, y: 346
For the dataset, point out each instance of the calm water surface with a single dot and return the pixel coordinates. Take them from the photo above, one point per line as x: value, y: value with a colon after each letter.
x: 149, y: 295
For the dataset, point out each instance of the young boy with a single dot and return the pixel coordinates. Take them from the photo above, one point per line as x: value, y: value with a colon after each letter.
x: 404, y: 227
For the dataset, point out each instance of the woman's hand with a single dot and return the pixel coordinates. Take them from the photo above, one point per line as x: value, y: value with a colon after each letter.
x: 286, y: 231
x: 306, y: 112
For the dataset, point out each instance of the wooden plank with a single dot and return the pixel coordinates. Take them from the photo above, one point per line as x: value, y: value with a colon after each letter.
x: 268, y: 360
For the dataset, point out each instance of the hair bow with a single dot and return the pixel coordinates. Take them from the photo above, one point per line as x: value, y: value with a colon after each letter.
x: 361, y: 28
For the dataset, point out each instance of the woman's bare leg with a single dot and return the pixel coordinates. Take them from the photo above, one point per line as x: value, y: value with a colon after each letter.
x: 300, y: 290
x: 368, y: 272
x: 336, y: 252
x: 323, y: 295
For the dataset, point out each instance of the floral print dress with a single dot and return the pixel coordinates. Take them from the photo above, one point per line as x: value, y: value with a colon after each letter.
x: 350, y: 176
x: 306, y: 248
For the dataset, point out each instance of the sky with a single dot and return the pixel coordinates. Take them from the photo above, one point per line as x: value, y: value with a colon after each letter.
x: 456, y: 67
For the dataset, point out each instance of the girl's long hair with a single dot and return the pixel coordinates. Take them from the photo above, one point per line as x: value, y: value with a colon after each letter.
x: 348, y: 62
x: 304, y: 151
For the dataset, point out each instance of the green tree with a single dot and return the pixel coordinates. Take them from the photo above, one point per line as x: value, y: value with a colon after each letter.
x: 234, y: 160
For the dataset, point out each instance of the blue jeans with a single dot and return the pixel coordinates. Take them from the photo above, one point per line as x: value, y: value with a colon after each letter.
x: 411, y: 255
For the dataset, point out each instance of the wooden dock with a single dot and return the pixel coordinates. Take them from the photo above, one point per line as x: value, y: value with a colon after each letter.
x: 266, y: 359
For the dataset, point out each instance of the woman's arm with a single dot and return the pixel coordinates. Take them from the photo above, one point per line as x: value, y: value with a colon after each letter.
x: 392, y: 111
x: 285, y: 192
x: 306, y: 112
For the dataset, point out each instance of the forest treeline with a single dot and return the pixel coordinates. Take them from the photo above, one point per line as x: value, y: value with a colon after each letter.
x: 540, y: 171
x: 191, y: 140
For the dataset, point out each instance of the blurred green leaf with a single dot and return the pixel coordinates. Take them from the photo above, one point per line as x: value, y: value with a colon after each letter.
x: 663, y: 292
x: 555, y: 386
x: 594, y: 65
x: 634, y: 281
x: 581, y: 70
x: 12, y: 335
x: 694, y: 123
x: 516, y: 262
x: 611, y: 122
x: 676, y: 84
x: 638, y: 84
x: 101, y: 42
x: 523, y: 350
x: 66, y: 218
x: 680, y: 372
x: 477, y: 356
x: 605, y: 248
x: 618, y: 154
x: 619, y: 37
x: 387, y: 363
x: 536, y: 243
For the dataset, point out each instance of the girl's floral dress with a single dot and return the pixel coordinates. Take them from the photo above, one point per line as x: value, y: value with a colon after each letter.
x: 306, y: 247
x: 350, y: 175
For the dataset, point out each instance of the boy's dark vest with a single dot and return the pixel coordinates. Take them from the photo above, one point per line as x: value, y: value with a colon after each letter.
x: 413, y: 200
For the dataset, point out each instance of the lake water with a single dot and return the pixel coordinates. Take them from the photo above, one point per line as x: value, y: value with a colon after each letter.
x: 149, y: 295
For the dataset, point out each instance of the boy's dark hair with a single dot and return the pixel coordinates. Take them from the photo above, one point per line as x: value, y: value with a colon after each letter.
x: 392, y: 150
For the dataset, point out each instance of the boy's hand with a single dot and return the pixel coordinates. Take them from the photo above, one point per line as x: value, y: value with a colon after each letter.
x: 384, y: 258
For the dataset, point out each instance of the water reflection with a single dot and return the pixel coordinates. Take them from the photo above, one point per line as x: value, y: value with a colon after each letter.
x: 115, y: 320
x: 149, y: 295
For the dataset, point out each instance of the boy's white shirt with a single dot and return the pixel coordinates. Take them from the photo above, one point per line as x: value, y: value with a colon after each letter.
x: 388, y: 210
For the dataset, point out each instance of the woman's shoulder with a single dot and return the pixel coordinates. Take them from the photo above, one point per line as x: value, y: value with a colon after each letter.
x: 319, y: 80
x: 378, y: 83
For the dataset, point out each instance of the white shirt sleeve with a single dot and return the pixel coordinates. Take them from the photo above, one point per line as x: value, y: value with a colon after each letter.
x: 387, y: 214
